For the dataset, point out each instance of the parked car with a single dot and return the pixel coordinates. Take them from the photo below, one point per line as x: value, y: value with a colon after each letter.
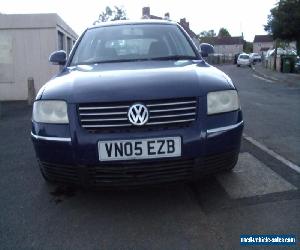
x: 281, y: 51
x: 255, y: 57
x: 243, y: 60
x: 114, y: 117
x: 297, y: 65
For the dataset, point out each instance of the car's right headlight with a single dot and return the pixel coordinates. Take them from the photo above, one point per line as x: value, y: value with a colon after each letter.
x: 50, y: 111
x: 222, y: 101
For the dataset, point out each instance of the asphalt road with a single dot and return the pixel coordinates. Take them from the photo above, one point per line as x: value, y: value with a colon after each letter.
x: 261, y: 196
x: 271, y: 111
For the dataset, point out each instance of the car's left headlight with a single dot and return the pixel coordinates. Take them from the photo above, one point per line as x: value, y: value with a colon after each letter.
x: 50, y: 111
x: 222, y: 101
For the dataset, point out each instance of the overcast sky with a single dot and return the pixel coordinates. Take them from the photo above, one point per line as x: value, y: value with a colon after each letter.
x: 236, y: 15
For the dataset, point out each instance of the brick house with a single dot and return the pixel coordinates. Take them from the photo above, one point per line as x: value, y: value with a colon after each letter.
x: 146, y: 14
x: 228, y: 46
x: 262, y: 43
x: 184, y: 24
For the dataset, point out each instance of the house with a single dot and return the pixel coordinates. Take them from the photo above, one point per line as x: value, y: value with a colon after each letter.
x: 228, y: 46
x: 262, y: 43
x: 146, y: 14
x: 184, y: 24
x: 26, y: 41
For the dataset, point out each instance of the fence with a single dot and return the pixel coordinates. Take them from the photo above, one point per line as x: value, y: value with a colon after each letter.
x: 220, y: 59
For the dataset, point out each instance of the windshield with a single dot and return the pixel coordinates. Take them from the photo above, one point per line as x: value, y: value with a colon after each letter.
x: 244, y: 57
x: 133, y: 42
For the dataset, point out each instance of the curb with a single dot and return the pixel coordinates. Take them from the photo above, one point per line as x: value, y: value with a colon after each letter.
x: 264, y: 75
x: 274, y: 78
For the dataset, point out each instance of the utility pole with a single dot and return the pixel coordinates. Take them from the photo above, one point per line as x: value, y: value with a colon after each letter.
x: 275, y: 54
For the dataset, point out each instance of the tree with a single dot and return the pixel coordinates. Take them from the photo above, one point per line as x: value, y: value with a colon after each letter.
x: 206, y: 36
x: 117, y: 13
x: 209, y: 33
x: 223, y: 32
x: 248, y: 47
x: 284, y: 22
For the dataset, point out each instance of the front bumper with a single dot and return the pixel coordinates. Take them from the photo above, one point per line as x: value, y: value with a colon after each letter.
x: 244, y: 63
x: 136, y: 173
x: 68, y: 153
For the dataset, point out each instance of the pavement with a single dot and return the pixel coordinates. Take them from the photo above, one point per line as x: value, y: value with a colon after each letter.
x: 292, y: 79
x: 260, y: 196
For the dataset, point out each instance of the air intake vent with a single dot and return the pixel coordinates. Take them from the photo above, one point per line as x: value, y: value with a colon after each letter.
x: 162, y: 114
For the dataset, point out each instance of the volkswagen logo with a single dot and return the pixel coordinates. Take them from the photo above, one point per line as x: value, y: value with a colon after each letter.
x: 138, y: 114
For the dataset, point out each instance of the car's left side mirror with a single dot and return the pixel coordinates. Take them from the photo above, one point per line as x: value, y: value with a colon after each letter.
x: 58, y: 57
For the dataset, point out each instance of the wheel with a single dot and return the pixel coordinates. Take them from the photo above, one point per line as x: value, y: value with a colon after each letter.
x: 238, y: 65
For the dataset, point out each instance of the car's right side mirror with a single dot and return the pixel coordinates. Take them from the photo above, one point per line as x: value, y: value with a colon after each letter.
x: 58, y: 57
x: 206, y: 49
x: 204, y: 54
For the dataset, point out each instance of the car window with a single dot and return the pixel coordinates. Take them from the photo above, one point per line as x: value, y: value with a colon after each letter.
x: 130, y: 46
x: 131, y: 42
x: 244, y: 57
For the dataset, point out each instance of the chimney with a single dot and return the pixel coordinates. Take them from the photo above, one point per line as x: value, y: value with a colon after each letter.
x: 167, y: 16
x: 146, y: 12
x: 184, y: 23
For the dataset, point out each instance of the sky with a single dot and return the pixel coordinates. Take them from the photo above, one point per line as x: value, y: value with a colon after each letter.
x: 236, y: 15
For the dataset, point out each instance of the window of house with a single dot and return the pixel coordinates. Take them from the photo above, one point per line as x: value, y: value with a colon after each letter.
x: 60, y: 37
x: 69, y: 45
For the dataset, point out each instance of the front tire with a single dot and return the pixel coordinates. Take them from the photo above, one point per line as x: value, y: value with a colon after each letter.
x: 238, y: 65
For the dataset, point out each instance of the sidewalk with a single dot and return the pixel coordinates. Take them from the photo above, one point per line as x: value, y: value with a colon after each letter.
x: 291, y: 79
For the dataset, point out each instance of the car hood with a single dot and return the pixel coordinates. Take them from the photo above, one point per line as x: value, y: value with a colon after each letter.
x: 128, y: 81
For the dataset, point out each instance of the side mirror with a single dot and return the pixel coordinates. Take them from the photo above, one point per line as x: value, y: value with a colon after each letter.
x: 204, y: 54
x: 206, y: 49
x: 58, y: 57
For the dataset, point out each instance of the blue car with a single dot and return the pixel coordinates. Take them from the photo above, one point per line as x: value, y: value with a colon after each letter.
x: 135, y: 104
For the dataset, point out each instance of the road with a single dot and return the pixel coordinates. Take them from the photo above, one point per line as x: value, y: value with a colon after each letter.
x: 260, y: 196
x: 271, y: 111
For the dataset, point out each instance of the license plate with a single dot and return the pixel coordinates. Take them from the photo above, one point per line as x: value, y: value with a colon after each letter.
x: 139, y: 149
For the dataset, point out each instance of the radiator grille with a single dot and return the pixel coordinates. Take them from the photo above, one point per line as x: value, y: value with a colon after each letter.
x: 162, y: 113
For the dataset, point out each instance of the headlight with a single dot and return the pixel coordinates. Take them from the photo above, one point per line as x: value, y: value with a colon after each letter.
x: 222, y: 101
x: 50, y: 112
